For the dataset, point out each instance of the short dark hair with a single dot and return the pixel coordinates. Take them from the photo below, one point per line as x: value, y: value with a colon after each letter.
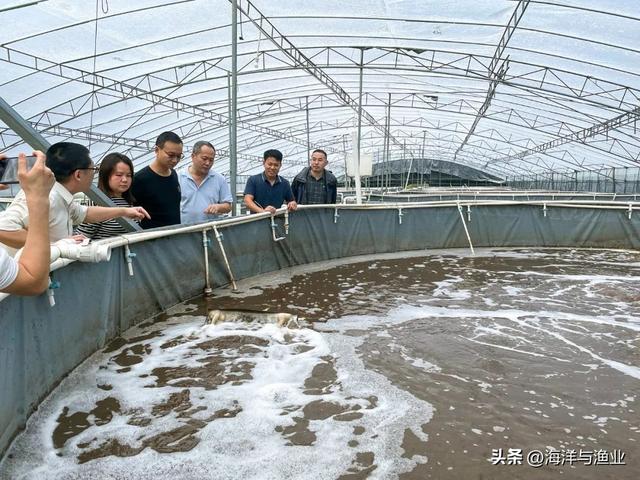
x: 107, y: 166
x: 319, y: 150
x: 202, y: 143
x: 167, y: 137
x: 277, y: 154
x: 64, y: 158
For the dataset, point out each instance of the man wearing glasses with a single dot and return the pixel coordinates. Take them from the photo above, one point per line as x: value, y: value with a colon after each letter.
x: 74, y: 171
x: 156, y: 186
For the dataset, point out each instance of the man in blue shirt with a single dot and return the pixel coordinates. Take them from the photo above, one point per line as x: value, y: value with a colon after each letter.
x: 205, y: 193
x: 267, y: 191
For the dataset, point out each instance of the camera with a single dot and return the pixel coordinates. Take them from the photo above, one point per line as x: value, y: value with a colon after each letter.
x: 9, y: 169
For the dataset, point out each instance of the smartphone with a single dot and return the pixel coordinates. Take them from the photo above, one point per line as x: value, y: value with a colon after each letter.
x: 9, y: 169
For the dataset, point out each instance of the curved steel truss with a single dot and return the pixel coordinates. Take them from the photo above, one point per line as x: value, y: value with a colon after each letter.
x: 509, y: 88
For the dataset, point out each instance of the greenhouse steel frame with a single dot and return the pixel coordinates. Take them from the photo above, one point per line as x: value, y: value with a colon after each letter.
x: 517, y: 89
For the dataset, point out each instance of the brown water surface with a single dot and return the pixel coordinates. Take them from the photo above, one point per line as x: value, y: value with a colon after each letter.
x: 501, y: 353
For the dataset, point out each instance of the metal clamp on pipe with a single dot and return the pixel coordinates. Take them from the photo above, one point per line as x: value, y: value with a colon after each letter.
x: 274, y: 226
x: 53, y: 285
x: 468, y: 213
x: 205, y: 246
x: 400, y: 215
x: 286, y: 222
x: 129, y: 256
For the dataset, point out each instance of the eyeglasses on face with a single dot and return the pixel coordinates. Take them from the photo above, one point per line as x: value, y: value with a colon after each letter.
x: 95, y: 169
x: 177, y: 156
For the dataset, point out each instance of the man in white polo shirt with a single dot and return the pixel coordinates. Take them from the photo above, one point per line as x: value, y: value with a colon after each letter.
x: 205, y: 193
x: 30, y: 274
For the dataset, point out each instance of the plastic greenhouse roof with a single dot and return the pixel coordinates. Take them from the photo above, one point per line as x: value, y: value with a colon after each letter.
x: 507, y: 87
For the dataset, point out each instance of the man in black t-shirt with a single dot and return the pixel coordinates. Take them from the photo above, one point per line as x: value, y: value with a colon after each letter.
x: 156, y: 187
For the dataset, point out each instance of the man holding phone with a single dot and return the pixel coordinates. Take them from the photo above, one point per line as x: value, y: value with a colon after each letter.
x: 30, y: 274
x: 74, y: 172
x: 9, y: 169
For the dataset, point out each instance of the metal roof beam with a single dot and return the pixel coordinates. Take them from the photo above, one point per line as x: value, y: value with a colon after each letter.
x: 125, y: 91
x: 496, y: 74
x: 265, y: 26
x: 627, y: 151
x: 579, y: 136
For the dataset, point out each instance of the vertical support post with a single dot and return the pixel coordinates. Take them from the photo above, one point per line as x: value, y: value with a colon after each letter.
x: 233, y: 126
x: 347, y: 180
x: 308, y: 139
x: 613, y: 178
x: 423, y: 160
x: 386, y: 142
x: 404, y: 147
x: 356, y: 155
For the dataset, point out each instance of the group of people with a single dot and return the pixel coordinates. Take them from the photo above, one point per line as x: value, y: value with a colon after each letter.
x: 44, y: 212
x: 267, y: 191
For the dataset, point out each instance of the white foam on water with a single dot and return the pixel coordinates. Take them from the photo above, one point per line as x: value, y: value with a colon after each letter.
x: 420, y: 363
x: 484, y: 386
x: 499, y: 330
x: 446, y: 288
x: 516, y: 315
x: 246, y: 445
x: 593, y: 278
x: 524, y: 319
x: 512, y: 291
x: 489, y: 302
x: 630, y: 370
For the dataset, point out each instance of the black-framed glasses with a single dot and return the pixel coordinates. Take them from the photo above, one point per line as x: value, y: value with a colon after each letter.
x: 177, y: 156
x: 95, y: 169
